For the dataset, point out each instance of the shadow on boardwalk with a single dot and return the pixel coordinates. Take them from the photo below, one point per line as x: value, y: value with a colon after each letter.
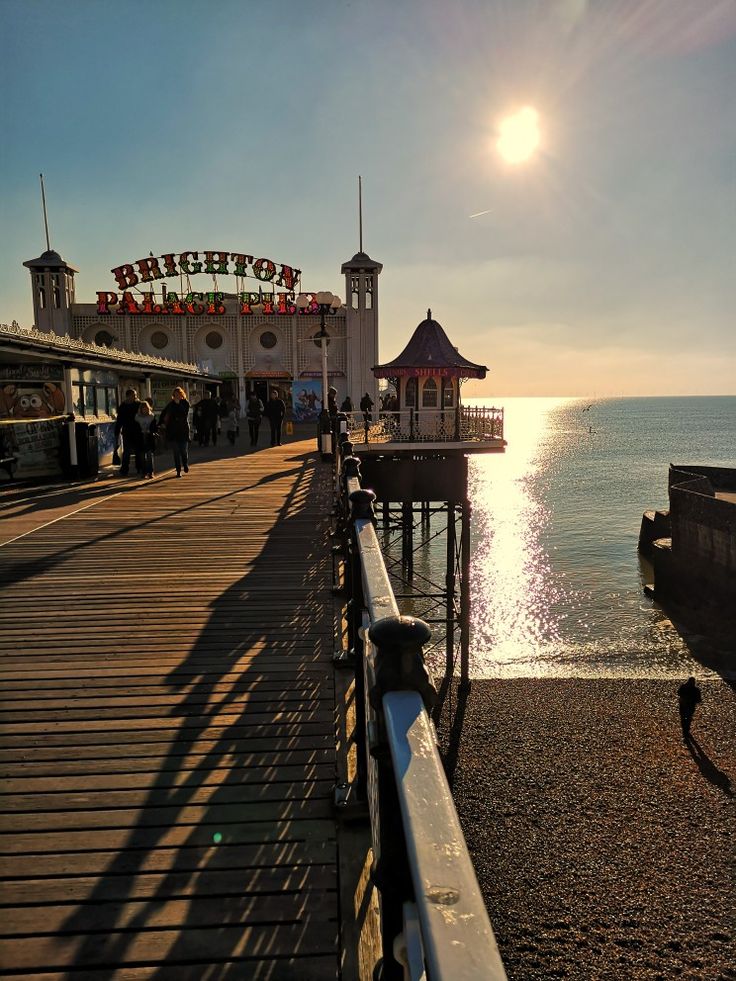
x: 229, y: 867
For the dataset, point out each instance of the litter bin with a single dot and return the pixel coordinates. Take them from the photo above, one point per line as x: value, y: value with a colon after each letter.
x: 88, y: 455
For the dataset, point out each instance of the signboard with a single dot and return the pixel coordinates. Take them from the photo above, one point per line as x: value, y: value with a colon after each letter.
x: 152, y: 268
x: 29, y: 391
x: 306, y: 396
x: 36, y: 444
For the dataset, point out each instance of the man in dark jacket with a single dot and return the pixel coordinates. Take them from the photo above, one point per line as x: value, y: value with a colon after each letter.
x: 125, y: 423
x: 275, y: 411
x: 207, y: 415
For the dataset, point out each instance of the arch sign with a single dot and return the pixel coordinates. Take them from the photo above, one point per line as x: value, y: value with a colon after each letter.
x: 215, y: 263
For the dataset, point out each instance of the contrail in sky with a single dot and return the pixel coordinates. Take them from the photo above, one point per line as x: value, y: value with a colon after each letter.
x: 479, y: 213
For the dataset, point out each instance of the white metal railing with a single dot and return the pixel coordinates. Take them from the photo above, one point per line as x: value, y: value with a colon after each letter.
x: 435, y: 926
x: 462, y: 423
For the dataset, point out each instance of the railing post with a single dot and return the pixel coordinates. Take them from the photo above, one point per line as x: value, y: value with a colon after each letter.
x: 398, y: 666
x: 361, y: 507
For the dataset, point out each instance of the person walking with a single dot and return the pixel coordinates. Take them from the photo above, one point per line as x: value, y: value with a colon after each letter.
x: 233, y: 425
x: 689, y: 697
x: 254, y: 413
x: 146, y: 422
x: 208, y: 416
x: 125, y: 424
x: 275, y: 411
x: 175, y: 420
x: 366, y: 406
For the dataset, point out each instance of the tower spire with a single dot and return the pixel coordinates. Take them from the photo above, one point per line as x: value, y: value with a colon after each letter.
x: 360, y: 213
x: 45, y: 217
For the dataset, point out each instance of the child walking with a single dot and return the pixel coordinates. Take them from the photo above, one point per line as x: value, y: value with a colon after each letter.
x: 149, y: 428
x: 233, y: 425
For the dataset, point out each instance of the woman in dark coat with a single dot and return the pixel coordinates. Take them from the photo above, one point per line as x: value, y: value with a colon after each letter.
x: 175, y: 420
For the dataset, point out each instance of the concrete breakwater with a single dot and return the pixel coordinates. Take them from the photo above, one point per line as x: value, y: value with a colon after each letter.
x: 692, y: 548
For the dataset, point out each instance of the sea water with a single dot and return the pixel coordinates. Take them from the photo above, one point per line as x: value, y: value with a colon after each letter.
x: 557, y: 582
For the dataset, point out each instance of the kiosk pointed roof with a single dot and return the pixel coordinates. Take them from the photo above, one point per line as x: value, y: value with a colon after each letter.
x: 430, y: 351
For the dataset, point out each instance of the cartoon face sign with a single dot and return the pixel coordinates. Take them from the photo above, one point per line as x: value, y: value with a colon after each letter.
x: 29, y: 406
x: 31, y: 400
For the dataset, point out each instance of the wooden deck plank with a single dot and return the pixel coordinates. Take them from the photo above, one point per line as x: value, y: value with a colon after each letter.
x: 168, y: 747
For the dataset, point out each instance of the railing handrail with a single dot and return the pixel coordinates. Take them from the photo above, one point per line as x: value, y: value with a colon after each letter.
x: 455, y: 940
x: 457, y: 936
x: 458, y: 423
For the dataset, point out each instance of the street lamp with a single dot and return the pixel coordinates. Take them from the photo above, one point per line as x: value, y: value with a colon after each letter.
x: 327, y: 303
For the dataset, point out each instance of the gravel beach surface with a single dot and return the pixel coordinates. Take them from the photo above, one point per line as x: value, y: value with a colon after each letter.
x: 604, y: 845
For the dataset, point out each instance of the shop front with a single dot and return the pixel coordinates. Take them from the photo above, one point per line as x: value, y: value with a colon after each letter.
x: 59, y: 398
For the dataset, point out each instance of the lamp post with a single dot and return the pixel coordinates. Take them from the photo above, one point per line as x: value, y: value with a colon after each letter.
x: 327, y: 303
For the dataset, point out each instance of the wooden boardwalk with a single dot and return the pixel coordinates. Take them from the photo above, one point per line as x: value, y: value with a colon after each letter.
x: 168, y: 746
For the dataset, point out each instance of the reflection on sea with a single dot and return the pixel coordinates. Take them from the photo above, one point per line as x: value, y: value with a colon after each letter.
x: 556, y: 580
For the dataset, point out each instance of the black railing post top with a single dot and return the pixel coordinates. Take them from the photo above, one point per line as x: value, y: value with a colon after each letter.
x: 350, y: 467
x: 400, y: 632
x: 346, y: 447
x: 361, y: 502
x: 399, y: 662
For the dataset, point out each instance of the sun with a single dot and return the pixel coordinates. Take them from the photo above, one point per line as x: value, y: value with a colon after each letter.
x: 518, y: 135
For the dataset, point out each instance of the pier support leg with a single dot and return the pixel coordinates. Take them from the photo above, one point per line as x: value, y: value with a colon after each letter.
x: 407, y: 539
x: 450, y: 591
x: 465, y: 596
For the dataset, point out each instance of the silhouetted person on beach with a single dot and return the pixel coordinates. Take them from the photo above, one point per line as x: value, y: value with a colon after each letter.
x: 689, y: 698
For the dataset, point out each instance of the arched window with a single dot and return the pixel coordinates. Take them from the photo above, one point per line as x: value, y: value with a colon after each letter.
x: 448, y: 394
x: 103, y: 338
x: 429, y: 394
x: 410, y: 393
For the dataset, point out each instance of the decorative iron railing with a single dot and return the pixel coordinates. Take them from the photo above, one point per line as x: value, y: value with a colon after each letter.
x: 434, y: 924
x: 460, y: 424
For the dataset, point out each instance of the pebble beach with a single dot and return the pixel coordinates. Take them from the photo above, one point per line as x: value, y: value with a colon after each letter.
x: 605, y: 846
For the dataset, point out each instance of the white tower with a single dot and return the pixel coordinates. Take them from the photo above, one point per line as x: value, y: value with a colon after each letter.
x: 361, y: 299
x: 52, y: 286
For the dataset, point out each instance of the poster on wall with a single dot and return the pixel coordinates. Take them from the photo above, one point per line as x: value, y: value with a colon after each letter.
x: 307, y: 396
x: 36, y: 444
x: 31, y: 391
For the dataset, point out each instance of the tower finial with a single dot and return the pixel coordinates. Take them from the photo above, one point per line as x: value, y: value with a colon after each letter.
x: 45, y: 218
x: 429, y: 314
x: 360, y: 213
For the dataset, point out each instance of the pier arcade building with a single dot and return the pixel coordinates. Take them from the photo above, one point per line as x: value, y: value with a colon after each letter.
x: 260, y: 332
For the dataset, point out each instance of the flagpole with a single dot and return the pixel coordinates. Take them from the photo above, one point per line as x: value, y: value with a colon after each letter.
x: 45, y: 217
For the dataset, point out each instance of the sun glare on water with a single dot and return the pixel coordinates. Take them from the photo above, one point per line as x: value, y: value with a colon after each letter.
x: 518, y: 136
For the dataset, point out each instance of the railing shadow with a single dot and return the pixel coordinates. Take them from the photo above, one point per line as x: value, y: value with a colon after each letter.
x: 241, y: 801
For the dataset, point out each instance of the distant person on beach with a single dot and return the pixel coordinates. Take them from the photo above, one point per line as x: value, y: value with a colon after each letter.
x: 175, y: 420
x: 125, y: 423
x: 275, y: 411
x: 689, y: 697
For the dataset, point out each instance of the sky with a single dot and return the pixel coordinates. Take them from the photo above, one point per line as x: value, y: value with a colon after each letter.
x: 602, y: 265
